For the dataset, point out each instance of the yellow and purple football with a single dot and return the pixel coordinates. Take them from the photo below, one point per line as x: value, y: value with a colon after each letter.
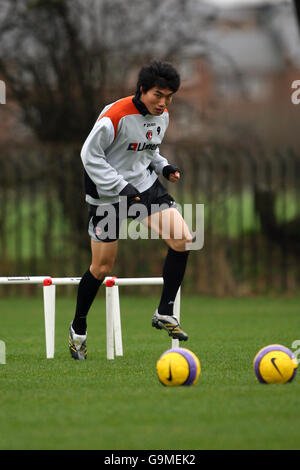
x: 275, y: 364
x: 178, y: 366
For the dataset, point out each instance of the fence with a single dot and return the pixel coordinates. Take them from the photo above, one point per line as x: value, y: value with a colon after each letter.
x: 252, y: 220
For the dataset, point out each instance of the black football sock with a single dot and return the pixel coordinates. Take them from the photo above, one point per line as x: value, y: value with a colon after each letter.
x: 173, y: 272
x: 87, y: 290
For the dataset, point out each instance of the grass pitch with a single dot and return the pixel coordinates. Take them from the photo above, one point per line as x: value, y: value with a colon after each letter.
x: 120, y: 405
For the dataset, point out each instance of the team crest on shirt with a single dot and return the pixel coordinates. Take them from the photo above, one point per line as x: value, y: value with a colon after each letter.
x: 149, y: 135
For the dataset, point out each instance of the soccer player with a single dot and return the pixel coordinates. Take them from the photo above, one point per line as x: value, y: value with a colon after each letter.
x: 122, y: 162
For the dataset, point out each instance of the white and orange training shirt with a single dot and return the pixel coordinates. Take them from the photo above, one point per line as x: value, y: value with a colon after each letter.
x: 122, y: 145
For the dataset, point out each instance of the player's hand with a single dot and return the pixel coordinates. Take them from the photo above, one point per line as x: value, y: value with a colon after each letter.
x: 131, y: 193
x: 174, y: 177
x: 171, y: 173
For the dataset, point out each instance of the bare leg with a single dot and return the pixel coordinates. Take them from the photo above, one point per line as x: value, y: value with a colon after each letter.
x: 103, y: 258
x: 171, y: 227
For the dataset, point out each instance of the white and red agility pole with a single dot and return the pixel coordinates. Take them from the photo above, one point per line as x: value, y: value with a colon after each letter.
x: 114, y: 345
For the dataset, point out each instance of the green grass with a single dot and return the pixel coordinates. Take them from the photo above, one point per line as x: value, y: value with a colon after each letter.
x: 98, y: 404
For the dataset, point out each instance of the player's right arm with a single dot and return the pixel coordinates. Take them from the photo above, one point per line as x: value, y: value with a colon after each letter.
x: 107, y: 180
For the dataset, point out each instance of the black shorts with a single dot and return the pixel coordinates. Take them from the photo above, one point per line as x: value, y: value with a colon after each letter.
x: 105, y: 220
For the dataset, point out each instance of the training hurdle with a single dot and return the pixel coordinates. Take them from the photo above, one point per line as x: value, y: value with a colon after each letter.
x: 114, y: 343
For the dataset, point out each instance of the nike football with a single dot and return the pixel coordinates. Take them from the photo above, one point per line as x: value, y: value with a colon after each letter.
x: 275, y: 364
x: 178, y: 366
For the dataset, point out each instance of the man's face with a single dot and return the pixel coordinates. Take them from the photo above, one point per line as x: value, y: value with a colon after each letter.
x: 156, y: 100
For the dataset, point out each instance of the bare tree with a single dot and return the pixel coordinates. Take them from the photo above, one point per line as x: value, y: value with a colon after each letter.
x: 63, y: 59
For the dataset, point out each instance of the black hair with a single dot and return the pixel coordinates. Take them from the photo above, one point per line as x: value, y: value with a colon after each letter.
x: 160, y: 74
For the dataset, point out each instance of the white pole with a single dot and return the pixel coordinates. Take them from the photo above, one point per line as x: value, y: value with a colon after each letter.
x: 116, y: 314
x: 65, y: 281
x: 2, y: 352
x: 49, y: 314
x: 175, y: 342
x: 142, y: 281
x: 23, y: 280
x: 109, y: 324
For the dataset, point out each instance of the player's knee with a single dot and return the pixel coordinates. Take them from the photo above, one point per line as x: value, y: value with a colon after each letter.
x: 180, y: 244
x: 101, y: 271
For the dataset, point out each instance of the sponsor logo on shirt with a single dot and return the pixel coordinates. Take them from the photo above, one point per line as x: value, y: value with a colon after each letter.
x: 140, y: 146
